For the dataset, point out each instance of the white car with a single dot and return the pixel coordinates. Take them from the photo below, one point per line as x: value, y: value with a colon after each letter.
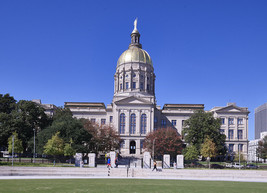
x: 236, y: 165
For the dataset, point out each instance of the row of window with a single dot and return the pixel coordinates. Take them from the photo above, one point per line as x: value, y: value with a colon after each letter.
x: 134, y: 75
x: 231, y: 147
x: 231, y: 133
x: 143, y: 124
x: 103, y: 121
x: 231, y: 121
x: 134, y: 86
x: 164, y: 123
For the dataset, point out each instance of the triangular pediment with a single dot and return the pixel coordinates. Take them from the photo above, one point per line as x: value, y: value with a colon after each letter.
x: 230, y: 109
x: 133, y: 101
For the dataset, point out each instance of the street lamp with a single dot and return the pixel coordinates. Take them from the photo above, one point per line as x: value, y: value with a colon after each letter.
x: 154, y: 148
x: 33, y: 145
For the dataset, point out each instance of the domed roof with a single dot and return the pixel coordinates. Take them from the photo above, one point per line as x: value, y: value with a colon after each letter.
x: 134, y: 54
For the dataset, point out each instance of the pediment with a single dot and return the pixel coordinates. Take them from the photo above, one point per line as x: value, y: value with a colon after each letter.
x: 230, y: 109
x: 133, y: 101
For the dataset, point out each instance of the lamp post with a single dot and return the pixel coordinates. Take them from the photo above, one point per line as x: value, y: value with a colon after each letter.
x: 33, y: 145
x: 154, y: 148
x: 12, y: 149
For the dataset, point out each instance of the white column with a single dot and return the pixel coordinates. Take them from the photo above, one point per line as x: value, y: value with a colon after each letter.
x: 138, y: 117
x: 127, y: 122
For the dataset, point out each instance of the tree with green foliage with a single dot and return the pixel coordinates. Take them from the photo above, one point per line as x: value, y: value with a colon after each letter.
x: 166, y: 141
x: 54, y: 146
x: 190, y: 153
x: 7, y: 105
x: 201, y: 125
x: 17, y: 144
x: 68, y: 150
x: 262, y: 148
x: 69, y: 128
x: 21, y: 117
x: 208, y: 149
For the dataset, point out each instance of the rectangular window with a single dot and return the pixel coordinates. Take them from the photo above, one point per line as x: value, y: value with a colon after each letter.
x: 231, y: 121
x: 120, y: 86
x: 231, y: 147
x: 122, y: 144
x: 222, y: 131
x: 240, y: 134
x: 240, y: 147
x: 163, y: 122
x: 147, y: 87
x: 222, y: 121
x: 231, y: 134
x: 111, y: 119
x: 127, y: 85
x: 240, y: 121
x: 173, y: 122
x: 134, y: 84
x: 93, y: 120
x: 103, y: 121
x: 141, y: 86
x: 182, y: 123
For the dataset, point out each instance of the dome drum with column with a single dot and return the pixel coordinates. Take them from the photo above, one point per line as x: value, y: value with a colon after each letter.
x: 134, y: 73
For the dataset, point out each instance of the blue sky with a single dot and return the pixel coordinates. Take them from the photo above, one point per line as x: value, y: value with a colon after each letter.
x: 206, y: 52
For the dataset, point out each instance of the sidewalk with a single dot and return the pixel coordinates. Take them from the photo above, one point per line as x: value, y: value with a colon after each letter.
x: 132, y: 173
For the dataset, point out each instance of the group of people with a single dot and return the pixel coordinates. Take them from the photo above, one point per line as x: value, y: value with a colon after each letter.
x: 109, y: 162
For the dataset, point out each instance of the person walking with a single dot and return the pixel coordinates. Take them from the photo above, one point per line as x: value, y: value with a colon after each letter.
x: 155, y: 166
x: 108, y: 163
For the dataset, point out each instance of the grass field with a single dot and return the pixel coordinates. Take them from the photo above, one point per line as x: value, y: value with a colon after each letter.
x: 129, y: 185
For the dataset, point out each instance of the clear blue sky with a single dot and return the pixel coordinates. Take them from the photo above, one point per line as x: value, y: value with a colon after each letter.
x: 207, y: 52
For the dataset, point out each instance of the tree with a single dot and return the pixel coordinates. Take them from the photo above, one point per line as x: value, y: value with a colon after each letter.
x: 54, y: 146
x: 7, y: 105
x: 17, y: 143
x: 26, y: 117
x: 104, y: 137
x: 166, y: 141
x: 208, y: 149
x: 262, y: 148
x: 68, y: 150
x: 200, y: 125
x: 190, y: 153
x: 70, y: 128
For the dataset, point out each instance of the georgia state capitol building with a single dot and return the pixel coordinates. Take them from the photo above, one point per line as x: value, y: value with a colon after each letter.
x: 134, y: 113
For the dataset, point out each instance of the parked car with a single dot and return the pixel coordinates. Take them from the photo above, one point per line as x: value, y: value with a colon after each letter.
x: 216, y: 166
x: 236, y: 165
x: 252, y: 166
x: 228, y: 165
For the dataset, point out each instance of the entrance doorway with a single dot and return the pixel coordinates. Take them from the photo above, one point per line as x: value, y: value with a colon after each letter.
x: 132, y: 147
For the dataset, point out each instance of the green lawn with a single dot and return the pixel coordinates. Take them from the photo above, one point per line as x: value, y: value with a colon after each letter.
x: 129, y: 185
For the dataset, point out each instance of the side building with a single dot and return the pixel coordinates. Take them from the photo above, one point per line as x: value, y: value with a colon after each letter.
x: 260, y: 120
x: 252, y: 149
x: 234, y: 124
x: 49, y: 108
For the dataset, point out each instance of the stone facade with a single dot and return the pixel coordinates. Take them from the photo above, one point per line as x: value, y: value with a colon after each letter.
x: 234, y: 124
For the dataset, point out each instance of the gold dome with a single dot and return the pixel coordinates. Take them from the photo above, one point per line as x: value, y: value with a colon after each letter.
x: 134, y: 54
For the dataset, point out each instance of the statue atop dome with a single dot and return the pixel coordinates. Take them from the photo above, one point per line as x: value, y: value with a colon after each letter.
x: 135, y: 24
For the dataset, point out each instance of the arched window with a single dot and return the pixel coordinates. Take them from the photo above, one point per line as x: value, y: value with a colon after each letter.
x: 132, y: 124
x: 122, y: 123
x: 143, y: 124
